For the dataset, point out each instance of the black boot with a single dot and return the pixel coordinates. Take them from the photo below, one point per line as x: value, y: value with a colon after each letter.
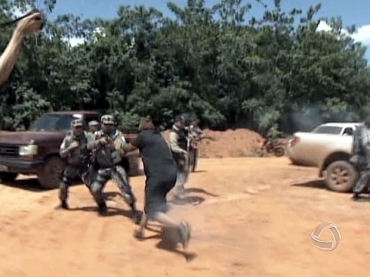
x: 63, y: 205
x: 102, y: 209
x: 356, y: 197
x: 136, y: 218
x: 139, y: 235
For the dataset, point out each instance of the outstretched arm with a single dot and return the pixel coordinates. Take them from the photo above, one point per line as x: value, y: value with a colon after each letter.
x: 137, y: 143
x: 29, y: 24
x: 129, y: 147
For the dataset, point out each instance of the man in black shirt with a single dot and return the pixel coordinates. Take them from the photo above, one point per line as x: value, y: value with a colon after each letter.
x: 161, y: 174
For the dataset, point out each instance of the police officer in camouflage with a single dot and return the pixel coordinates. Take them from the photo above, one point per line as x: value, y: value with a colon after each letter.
x: 361, y: 158
x: 179, y: 147
x: 109, y: 151
x: 74, y: 150
x: 94, y: 127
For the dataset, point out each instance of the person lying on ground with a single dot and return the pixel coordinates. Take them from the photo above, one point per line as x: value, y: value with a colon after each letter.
x: 28, y: 25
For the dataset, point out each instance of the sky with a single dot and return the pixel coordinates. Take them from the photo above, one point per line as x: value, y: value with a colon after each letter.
x: 357, y: 14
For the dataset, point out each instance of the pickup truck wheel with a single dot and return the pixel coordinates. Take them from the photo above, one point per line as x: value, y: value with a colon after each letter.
x: 49, y: 176
x: 8, y: 176
x: 279, y: 152
x: 340, y: 176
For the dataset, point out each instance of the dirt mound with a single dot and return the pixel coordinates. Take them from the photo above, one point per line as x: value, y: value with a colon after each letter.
x: 230, y: 143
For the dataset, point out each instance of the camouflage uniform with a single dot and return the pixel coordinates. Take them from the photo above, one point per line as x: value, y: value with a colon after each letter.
x: 179, y: 145
x: 108, y: 161
x: 92, y: 125
x: 361, y: 158
x: 77, y: 160
x: 195, y: 134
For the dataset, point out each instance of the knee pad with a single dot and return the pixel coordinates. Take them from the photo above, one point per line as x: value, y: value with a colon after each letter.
x: 95, y: 187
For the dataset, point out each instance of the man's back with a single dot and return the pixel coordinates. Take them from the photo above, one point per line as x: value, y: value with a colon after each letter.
x: 154, y: 151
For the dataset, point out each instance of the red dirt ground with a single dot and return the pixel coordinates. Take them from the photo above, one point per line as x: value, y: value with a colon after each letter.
x: 257, y: 223
x: 250, y: 217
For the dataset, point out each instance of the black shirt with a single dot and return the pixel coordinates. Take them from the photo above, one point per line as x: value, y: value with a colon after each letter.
x: 155, y: 152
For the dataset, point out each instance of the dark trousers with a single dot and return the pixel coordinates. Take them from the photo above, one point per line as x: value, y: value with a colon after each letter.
x: 193, y: 158
x: 156, y: 190
x: 363, y: 181
x: 182, y: 174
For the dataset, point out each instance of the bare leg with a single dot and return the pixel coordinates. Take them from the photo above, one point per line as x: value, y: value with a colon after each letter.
x: 183, y: 228
x: 161, y: 218
x: 165, y: 220
x: 139, y: 233
x: 143, y: 222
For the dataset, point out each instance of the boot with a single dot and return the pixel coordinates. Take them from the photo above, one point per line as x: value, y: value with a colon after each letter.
x: 136, y: 218
x: 139, y: 235
x: 356, y: 197
x: 102, y: 209
x: 63, y: 205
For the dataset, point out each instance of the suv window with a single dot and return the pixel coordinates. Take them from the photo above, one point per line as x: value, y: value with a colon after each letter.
x: 348, y: 131
x: 325, y: 129
x: 53, y: 123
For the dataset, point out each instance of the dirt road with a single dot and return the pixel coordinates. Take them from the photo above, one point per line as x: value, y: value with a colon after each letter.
x: 257, y: 223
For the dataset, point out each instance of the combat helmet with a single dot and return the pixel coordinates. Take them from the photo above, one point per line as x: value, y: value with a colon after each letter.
x: 93, y: 123
x: 108, y: 119
x: 76, y: 123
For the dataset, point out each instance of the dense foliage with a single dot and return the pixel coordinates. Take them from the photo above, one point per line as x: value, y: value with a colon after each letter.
x: 221, y: 64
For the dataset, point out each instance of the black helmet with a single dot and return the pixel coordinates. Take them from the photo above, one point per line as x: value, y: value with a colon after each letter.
x: 184, y: 118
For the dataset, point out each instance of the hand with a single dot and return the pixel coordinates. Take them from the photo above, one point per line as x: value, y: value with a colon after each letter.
x: 121, y: 152
x: 103, y: 141
x: 74, y: 145
x: 30, y: 24
x: 117, y: 144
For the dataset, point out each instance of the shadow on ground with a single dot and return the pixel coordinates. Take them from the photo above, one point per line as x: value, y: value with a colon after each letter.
x: 199, y: 171
x: 30, y: 184
x: 317, y: 184
x: 186, y: 199
x: 200, y: 190
x: 112, y: 211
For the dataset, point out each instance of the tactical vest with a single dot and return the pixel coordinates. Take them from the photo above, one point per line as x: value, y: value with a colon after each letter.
x: 105, y: 156
x: 182, y: 143
x: 80, y: 155
x: 182, y: 137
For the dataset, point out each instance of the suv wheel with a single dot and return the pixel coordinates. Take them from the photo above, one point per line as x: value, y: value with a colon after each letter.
x: 341, y: 176
x: 49, y: 176
x: 8, y: 176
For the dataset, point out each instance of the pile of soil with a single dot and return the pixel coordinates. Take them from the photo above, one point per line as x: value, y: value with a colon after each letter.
x: 230, y: 143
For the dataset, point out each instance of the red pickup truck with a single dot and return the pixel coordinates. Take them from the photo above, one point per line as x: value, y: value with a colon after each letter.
x: 36, y: 151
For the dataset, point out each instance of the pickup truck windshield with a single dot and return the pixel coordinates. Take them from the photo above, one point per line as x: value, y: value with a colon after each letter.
x: 331, y: 130
x: 53, y: 123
